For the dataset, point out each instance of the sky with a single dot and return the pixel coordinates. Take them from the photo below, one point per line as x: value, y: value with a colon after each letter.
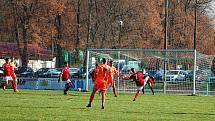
x: 211, y: 11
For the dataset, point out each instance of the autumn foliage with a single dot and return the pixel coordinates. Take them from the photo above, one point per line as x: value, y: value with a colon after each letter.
x: 80, y: 24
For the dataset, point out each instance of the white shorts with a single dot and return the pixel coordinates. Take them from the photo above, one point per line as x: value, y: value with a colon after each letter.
x: 139, y: 88
x: 5, y: 79
x: 68, y: 81
x: 146, y: 80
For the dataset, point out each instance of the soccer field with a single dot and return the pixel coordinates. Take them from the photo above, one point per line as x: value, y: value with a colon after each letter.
x: 38, y: 105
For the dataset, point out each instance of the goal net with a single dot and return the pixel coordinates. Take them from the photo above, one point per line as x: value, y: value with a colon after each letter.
x: 172, y: 69
x: 204, y: 74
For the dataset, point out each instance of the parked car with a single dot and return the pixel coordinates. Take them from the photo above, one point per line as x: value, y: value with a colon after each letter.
x: 201, y: 75
x: 176, y: 75
x: 72, y: 71
x: 156, y: 74
x: 48, y: 72
x: 81, y: 73
x: 40, y: 72
x: 189, y: 76
x: 24, y: 72
x: 212, y: 79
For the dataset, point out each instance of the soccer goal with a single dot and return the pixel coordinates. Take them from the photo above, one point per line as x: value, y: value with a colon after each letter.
x: 172, y: 69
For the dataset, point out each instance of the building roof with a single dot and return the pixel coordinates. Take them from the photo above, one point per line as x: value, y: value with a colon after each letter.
x: 11, y: 49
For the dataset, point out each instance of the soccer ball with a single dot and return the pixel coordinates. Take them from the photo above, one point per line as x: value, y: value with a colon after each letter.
x: 79, y: 89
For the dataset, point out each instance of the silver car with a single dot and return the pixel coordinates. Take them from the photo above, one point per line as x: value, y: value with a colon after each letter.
x: 176, y: 75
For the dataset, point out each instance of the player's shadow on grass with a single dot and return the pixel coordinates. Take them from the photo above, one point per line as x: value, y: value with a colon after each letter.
x: 176, y: 113
x: 9, y: 106
x: 39, y: 107
x: 181, y: 113
x: 41, y: 94
x: 71, y: 95
x: 78, y: 108
x: 38, y: 94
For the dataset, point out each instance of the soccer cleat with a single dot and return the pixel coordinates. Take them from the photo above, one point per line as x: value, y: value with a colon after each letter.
x: 115, y: 96
x: 3, y: 88
x: 89, y: 105
x: 134, y: 99
x: 65, y: 93
x: 103, y: 107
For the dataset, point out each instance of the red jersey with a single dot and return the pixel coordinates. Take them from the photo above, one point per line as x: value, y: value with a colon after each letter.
x: 138, y: 78
x: 151, y: 80
x: 65, y: 73
x: 6, y: 69
x: 12, y: 66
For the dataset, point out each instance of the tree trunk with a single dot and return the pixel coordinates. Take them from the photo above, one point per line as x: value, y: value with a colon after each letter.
x: 78, y: 33
x: 59, y: 58
x: 89, y: 30
x: 17, y: 36
x: 24, y: 54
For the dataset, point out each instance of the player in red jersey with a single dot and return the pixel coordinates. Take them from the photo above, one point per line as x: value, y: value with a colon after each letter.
x: 13, y: 75
x: 6, y: 74
x: 149, y: 80
x: 64, y: 75
x: 111, y: 74
x: 100, y: 82
x: 140, y: 82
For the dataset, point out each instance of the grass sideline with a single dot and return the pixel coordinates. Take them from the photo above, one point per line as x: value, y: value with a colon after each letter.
x: 51, y: 105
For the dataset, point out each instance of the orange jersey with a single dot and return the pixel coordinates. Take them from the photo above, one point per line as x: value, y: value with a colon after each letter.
x: 100, y: 76
x: 101, y: 72
x: 111, y: 73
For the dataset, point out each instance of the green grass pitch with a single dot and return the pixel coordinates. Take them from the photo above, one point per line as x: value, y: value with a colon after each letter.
x: 52, y: 105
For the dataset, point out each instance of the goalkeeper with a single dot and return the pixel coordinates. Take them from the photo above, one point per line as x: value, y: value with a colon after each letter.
x: 110, y: 76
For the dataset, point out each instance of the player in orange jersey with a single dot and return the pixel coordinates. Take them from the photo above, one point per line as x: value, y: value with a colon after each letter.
x: 100, y: 81
x: 93, y: 73
x: 111, y: 73
x: 13, y: 75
